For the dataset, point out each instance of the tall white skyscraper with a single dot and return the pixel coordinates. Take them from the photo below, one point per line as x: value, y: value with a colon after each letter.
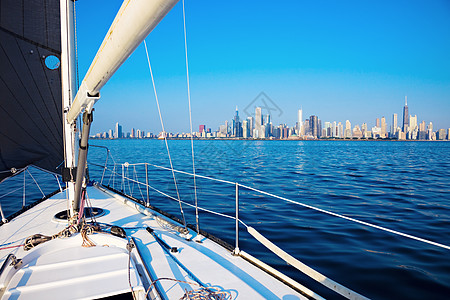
x: 412, y: 123
x: 258, y: 121
x: 394, y: 125
x: 300, y: 121
x: 245, y: 129
x: 348, y: 129
x: 118, y: 131
x: 383, y: 127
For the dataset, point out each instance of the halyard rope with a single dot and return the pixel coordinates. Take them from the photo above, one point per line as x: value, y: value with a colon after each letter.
x: 164, y: 133
x: 190, y: 120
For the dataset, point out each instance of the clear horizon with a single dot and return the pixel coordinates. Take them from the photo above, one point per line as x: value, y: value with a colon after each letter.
x: 339, y: 61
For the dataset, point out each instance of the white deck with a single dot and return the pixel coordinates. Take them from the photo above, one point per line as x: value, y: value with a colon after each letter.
x: 65, y: 269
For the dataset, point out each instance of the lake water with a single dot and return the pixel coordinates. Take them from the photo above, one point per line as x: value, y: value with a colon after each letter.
x: 400, y: 185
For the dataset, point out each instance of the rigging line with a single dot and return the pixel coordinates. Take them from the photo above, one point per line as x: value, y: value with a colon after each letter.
x: 43, y: 195
x: 10, y: 192
x: 138, y: 183
x: 76, y: 44
x: 190, y: 119
x: 57, y: 179
x: 24, y: 193
x: 349, y: 218
x: 129, y: 186
x: 188, y: 204
x: 164, y: 134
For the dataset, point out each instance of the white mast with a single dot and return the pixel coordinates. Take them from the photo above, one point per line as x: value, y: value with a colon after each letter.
x: 68, y: 89
x: 134, y: 21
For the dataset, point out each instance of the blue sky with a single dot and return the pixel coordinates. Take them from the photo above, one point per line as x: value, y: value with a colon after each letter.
x: 339, y: 60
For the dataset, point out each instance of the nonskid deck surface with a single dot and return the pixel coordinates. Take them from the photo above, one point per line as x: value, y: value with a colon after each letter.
x: 63, y: 264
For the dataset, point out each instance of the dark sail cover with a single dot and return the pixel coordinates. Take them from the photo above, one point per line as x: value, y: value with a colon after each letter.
x: 30, y: 86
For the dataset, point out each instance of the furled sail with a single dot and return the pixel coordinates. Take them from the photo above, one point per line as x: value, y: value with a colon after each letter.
x: 30, y: 86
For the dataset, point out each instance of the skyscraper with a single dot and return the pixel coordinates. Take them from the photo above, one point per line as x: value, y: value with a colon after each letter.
x: 383, y: 127
x: 364, y: 130
x: 237, y: 128
x: 258, y: 121
x: 245, y: 129
x: 118, y: 131
x: 394, y: 125
x: 348, y: 129
x: 405, y: 127
x: 201, y: 128
x: 412, y: 123
x: 307, y: 127
x: 377, y: 122
x: 300, y: 121
x: 250, y: 125
x: 314, y: 126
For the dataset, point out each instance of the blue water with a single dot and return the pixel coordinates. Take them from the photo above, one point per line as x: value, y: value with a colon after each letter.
x: 400, y: 185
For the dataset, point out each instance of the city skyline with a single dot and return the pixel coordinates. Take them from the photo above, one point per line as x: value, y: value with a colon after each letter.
x: 259, y: 126
x: 344, y: 60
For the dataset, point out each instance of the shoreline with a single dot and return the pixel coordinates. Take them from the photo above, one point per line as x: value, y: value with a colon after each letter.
x: 284, y: 140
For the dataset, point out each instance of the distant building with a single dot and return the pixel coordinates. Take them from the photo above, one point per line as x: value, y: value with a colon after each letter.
x: 258, y: 122
x: 340, y: 130
x: 222, y: 131
x: 334, y: 130
x: 365, y: 131
x: 376, y: 132
x: 422, y: 131
x: 405, y: 127
x: 245, y: 129
x: 201, y: 128
x: 394, y: 125
x: 314, y: 126
x: 348, y: 129
x: 357, y: 132
x: 383, y: 128
x: 327, y: 130
x: 413, y: 128
x: 299, y: 122
x: 441, y: 134
x: 251, y: 123
x: 237, y: 127
x: 118, y: 131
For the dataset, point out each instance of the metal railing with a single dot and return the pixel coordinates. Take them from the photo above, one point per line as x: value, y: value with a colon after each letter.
x: 118, y: 176
x: 125, y: 178
x: 23, y: 187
